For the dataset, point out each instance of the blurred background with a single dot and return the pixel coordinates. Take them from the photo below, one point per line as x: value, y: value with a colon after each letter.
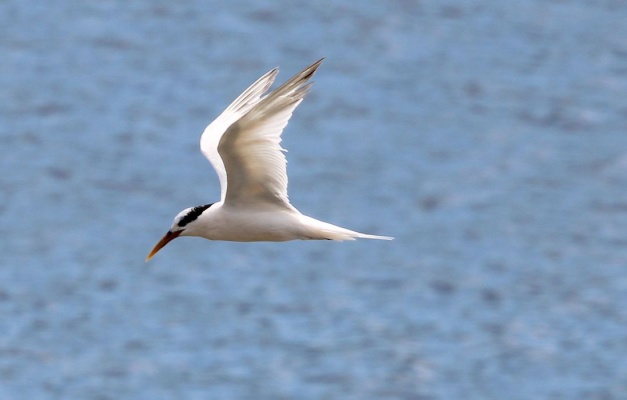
x: 488, y: 137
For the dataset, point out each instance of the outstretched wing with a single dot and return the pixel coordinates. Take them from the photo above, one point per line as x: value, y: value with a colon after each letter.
x: 213, y: 132
x: 250, y: 149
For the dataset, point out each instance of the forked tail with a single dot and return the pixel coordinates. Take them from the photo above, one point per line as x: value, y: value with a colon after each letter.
x: 377, y: 237
x: 322, y: 230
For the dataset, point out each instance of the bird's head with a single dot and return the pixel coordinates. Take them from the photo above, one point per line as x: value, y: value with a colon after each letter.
x: 183, y: 221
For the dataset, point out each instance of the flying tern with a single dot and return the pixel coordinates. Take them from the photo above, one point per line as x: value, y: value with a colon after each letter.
x: 243, y: 146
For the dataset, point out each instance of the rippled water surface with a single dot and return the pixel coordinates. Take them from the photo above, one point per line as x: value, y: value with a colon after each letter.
x: 488, y: 137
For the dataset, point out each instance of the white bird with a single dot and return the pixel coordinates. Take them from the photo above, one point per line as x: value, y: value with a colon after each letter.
x: 243, y: 145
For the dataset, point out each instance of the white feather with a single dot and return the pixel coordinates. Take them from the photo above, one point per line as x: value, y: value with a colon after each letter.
x: 213, y: 132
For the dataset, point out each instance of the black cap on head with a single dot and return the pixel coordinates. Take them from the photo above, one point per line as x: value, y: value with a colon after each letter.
x: 193, y: 214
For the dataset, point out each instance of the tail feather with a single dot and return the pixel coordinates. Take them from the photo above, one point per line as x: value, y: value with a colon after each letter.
x: 316, y: 229
x: 376, y: 237
x: 345, y: 234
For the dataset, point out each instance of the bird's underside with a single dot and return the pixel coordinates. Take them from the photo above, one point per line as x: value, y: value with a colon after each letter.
x: 266, y: 225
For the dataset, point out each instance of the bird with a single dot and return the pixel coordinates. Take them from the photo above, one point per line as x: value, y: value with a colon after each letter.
x: 243, y: 146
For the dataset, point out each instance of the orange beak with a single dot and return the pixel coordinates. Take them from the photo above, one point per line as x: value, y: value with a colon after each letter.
x: 167, y: 238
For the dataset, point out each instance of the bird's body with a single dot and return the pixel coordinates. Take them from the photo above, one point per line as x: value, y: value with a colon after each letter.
x: 220, y: 222
x: 243, y: 145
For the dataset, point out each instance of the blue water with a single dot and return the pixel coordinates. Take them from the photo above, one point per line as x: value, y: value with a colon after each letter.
x: 488, y: 137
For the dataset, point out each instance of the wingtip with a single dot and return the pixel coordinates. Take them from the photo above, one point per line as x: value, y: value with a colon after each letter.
x: 311, y: 70
x: 316, y: 64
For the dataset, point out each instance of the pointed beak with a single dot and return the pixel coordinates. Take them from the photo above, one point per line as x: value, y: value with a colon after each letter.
x: 167, y: 238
